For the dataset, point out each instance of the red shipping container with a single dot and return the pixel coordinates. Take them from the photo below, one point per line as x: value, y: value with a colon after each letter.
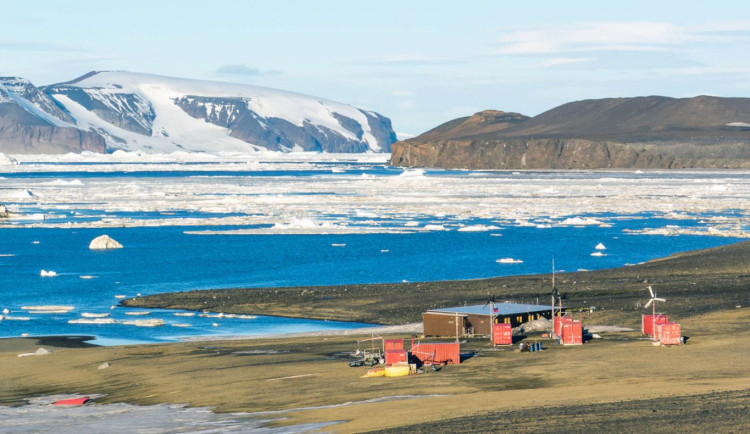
x: 502, y: 334
x: 437, y: 353
x: 649, y: 321
x: 392, y: 344
x: 669, y: 333
x: 395, y: 356
x: 559, y: 320
x: 572, y: 333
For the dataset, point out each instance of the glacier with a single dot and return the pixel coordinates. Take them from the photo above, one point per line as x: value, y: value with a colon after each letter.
x: 146, y: 112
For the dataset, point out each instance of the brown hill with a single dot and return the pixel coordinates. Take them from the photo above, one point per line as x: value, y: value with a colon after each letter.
x: 643, y: 132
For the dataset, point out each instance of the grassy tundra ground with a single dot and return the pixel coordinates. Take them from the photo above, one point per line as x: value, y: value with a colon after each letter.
x: 618, y: 383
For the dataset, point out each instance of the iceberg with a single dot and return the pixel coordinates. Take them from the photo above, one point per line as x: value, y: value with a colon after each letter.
x: 46, y: 273
x: 104, y: 242
x: 509, y: 261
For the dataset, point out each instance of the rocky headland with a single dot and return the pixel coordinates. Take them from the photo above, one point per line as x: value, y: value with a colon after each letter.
x: 617, y: 133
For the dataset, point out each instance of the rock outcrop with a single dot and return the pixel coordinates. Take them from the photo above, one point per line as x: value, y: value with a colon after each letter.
x: 649, y: 132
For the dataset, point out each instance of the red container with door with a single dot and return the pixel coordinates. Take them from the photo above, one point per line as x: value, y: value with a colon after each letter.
x: 437, y: 353
x: 650, y: 321
x: 669, y: 333
x: 395, y: 356
x: 558, y: 322
x: 502, y: 334
x: 392, y: 344
x: 572, y: 333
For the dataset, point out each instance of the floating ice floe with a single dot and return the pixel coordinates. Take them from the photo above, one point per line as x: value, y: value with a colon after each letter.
x: 17, y: 318
x: 180, y: 325
x: 184, y: 314
x: 86, y: 276
x: 92, y: 321
x: 144, y: 322
x: 94, y: 315
x: 509, y: 261
x: 119, y: 297
x: 138, y: 313
x: 48, y: 308
x: 47, y: 273
x: 600, y: 246
x: 478, y: 228
x: 598, y: 254
x: 338, y: 245
x: 581, y: 221
x: 435, y: 228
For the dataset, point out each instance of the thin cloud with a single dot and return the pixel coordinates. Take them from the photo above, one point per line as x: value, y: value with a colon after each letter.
x: 241, y: 69
x: 564, y: 61
x: 34, y: 46
x: 638, y: 36
x: 413, y: 59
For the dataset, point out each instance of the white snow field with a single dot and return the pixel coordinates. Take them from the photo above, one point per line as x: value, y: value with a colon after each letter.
x: 355, y: 193
x: 172, y: 128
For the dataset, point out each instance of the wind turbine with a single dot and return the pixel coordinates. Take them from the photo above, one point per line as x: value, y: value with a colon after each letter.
x: 652, y: 302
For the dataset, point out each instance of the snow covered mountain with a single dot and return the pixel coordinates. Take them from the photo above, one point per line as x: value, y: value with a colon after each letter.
x: 31, y: 122
x: 134, y: 111
x: 106, y: 111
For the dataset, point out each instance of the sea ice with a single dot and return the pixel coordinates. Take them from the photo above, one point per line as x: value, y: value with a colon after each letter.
x: 509, y: 261
x: 45, y: 273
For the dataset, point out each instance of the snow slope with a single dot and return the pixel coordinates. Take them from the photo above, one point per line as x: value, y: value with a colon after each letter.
x: 136, y: 111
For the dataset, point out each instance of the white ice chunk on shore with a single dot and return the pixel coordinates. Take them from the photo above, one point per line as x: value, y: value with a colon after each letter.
x: 104, y: 242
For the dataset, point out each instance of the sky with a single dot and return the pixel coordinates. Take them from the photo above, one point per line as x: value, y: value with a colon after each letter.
x: 420, y: 63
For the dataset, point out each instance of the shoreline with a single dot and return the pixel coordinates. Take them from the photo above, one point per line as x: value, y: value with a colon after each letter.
x: 719, y: 272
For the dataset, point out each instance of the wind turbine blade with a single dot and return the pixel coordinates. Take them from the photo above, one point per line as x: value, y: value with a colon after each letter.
x: 651, y: 291
x: 649, y: 303
x: 660, y: 299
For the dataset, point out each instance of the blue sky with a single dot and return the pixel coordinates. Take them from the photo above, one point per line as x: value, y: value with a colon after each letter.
x: 420, y: 63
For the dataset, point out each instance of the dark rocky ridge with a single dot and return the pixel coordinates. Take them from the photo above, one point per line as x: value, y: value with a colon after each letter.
x: 125, y: 110
x: 644, y: 132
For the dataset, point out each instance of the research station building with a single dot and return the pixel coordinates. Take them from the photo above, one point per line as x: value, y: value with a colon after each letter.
x: 475, y: 319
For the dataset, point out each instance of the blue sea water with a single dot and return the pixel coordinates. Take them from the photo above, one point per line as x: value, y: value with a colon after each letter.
x: 177, y: 258
x: 166, y: 259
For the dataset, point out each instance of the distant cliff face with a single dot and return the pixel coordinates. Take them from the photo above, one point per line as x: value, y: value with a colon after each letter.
x: 31, y: 123
x: 566, y: 154
x: 649, y: 132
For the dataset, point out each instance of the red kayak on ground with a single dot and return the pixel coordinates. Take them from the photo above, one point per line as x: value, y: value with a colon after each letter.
x: 72, y: 401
